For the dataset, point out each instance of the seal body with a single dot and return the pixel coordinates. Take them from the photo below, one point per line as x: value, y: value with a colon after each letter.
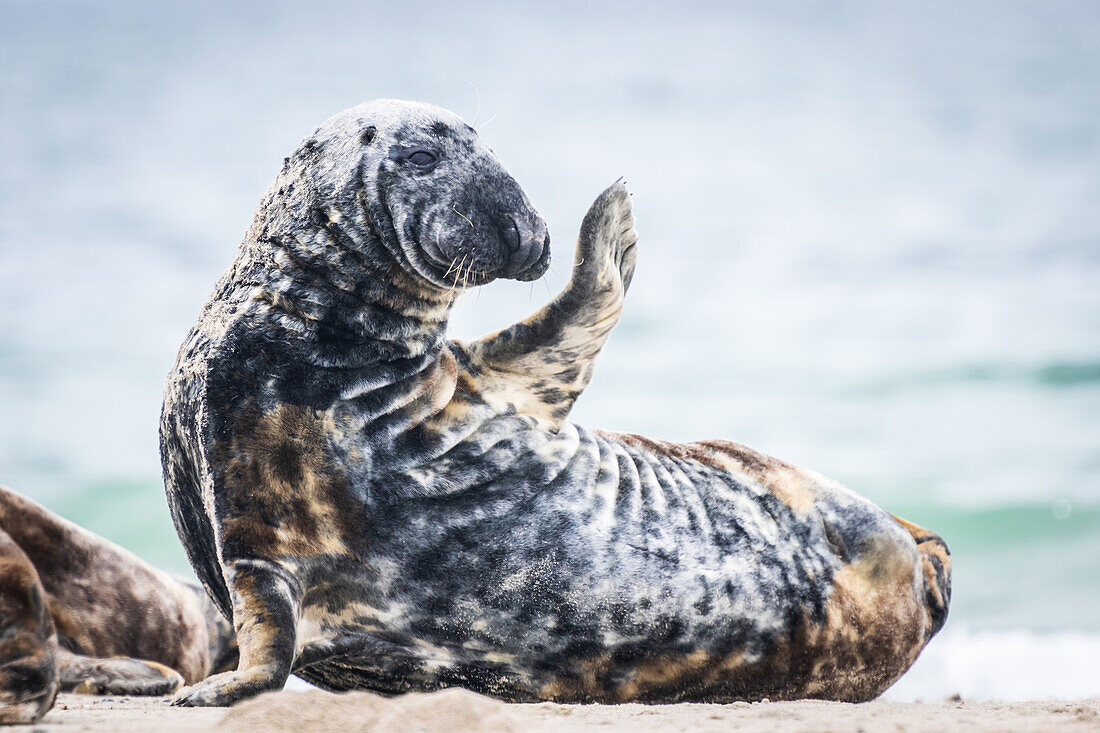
x: 375, y: 506
x: 81, y: 614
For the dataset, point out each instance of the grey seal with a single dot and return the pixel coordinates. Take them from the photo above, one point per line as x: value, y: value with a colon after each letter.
x: 376, y: 506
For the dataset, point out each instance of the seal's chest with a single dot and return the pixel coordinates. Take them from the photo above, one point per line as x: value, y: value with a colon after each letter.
x: 281, y: 491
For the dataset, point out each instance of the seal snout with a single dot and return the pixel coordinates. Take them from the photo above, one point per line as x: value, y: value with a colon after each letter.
x: 526, y: 243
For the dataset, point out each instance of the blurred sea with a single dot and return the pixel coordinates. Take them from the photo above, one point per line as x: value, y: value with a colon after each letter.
x: 870, y: 245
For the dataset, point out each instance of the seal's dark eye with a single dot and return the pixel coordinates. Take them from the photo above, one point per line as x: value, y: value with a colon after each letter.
x: 422, y: 158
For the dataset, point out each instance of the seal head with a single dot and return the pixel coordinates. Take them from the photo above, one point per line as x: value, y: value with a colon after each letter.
x: 430, y: 190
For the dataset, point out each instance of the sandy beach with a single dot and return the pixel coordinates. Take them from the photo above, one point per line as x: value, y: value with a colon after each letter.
x: 456, y: 711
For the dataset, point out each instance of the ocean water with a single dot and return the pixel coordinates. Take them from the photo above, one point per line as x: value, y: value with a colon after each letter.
x: 870, y: 244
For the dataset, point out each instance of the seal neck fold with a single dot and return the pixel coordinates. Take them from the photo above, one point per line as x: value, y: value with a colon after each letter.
x: 327, y: 278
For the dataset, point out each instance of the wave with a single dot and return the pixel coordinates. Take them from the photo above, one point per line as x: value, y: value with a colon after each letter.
x: 1051, y: 375
x: 1008, y: 665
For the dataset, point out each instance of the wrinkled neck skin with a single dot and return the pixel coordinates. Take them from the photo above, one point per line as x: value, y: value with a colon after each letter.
x: 330, y: 269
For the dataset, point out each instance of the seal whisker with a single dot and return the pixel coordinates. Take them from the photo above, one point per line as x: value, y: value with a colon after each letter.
x: 454, y: 283
x: 477, y: 112
x: 470, y: 272
x: 455, y: 208
x: 450, y: 268
x: 461, y: 270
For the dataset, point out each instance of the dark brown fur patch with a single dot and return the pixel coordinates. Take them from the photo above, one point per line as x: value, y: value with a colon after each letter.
x: 28, y: 647
x: 281, y: 455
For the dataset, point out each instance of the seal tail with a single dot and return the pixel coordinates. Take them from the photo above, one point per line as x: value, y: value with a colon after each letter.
x: 936, y: 567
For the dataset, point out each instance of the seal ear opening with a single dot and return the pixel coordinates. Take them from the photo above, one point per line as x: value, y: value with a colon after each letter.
x: 367, y: 136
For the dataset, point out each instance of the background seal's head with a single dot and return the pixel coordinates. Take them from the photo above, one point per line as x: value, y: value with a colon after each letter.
x: 420, y: 179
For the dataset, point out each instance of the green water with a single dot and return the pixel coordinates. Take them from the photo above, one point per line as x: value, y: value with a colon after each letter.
x: 132, y: 513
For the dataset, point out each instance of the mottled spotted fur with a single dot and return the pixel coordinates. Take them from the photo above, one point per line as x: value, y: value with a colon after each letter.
x: 78, y: 613
x: 28, y: 642
x: 378, y: 507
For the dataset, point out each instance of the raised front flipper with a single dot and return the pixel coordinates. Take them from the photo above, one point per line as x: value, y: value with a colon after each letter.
x: 542, y: 363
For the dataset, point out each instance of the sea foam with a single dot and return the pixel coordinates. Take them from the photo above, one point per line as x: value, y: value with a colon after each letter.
x: 1010, y: 665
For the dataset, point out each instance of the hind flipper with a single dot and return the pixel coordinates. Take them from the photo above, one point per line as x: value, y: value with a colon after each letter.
x: 116, y: 676
x: 936, y: 569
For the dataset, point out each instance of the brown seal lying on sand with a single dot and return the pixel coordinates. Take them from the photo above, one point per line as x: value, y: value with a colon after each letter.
x: 376, y: 506
x: 79, y: 613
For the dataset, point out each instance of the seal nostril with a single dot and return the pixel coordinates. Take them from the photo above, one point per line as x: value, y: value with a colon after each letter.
x: 512, y: 236
x: 523, y: 243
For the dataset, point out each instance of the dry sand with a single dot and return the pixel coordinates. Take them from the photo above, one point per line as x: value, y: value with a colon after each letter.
x: 456, y: 711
